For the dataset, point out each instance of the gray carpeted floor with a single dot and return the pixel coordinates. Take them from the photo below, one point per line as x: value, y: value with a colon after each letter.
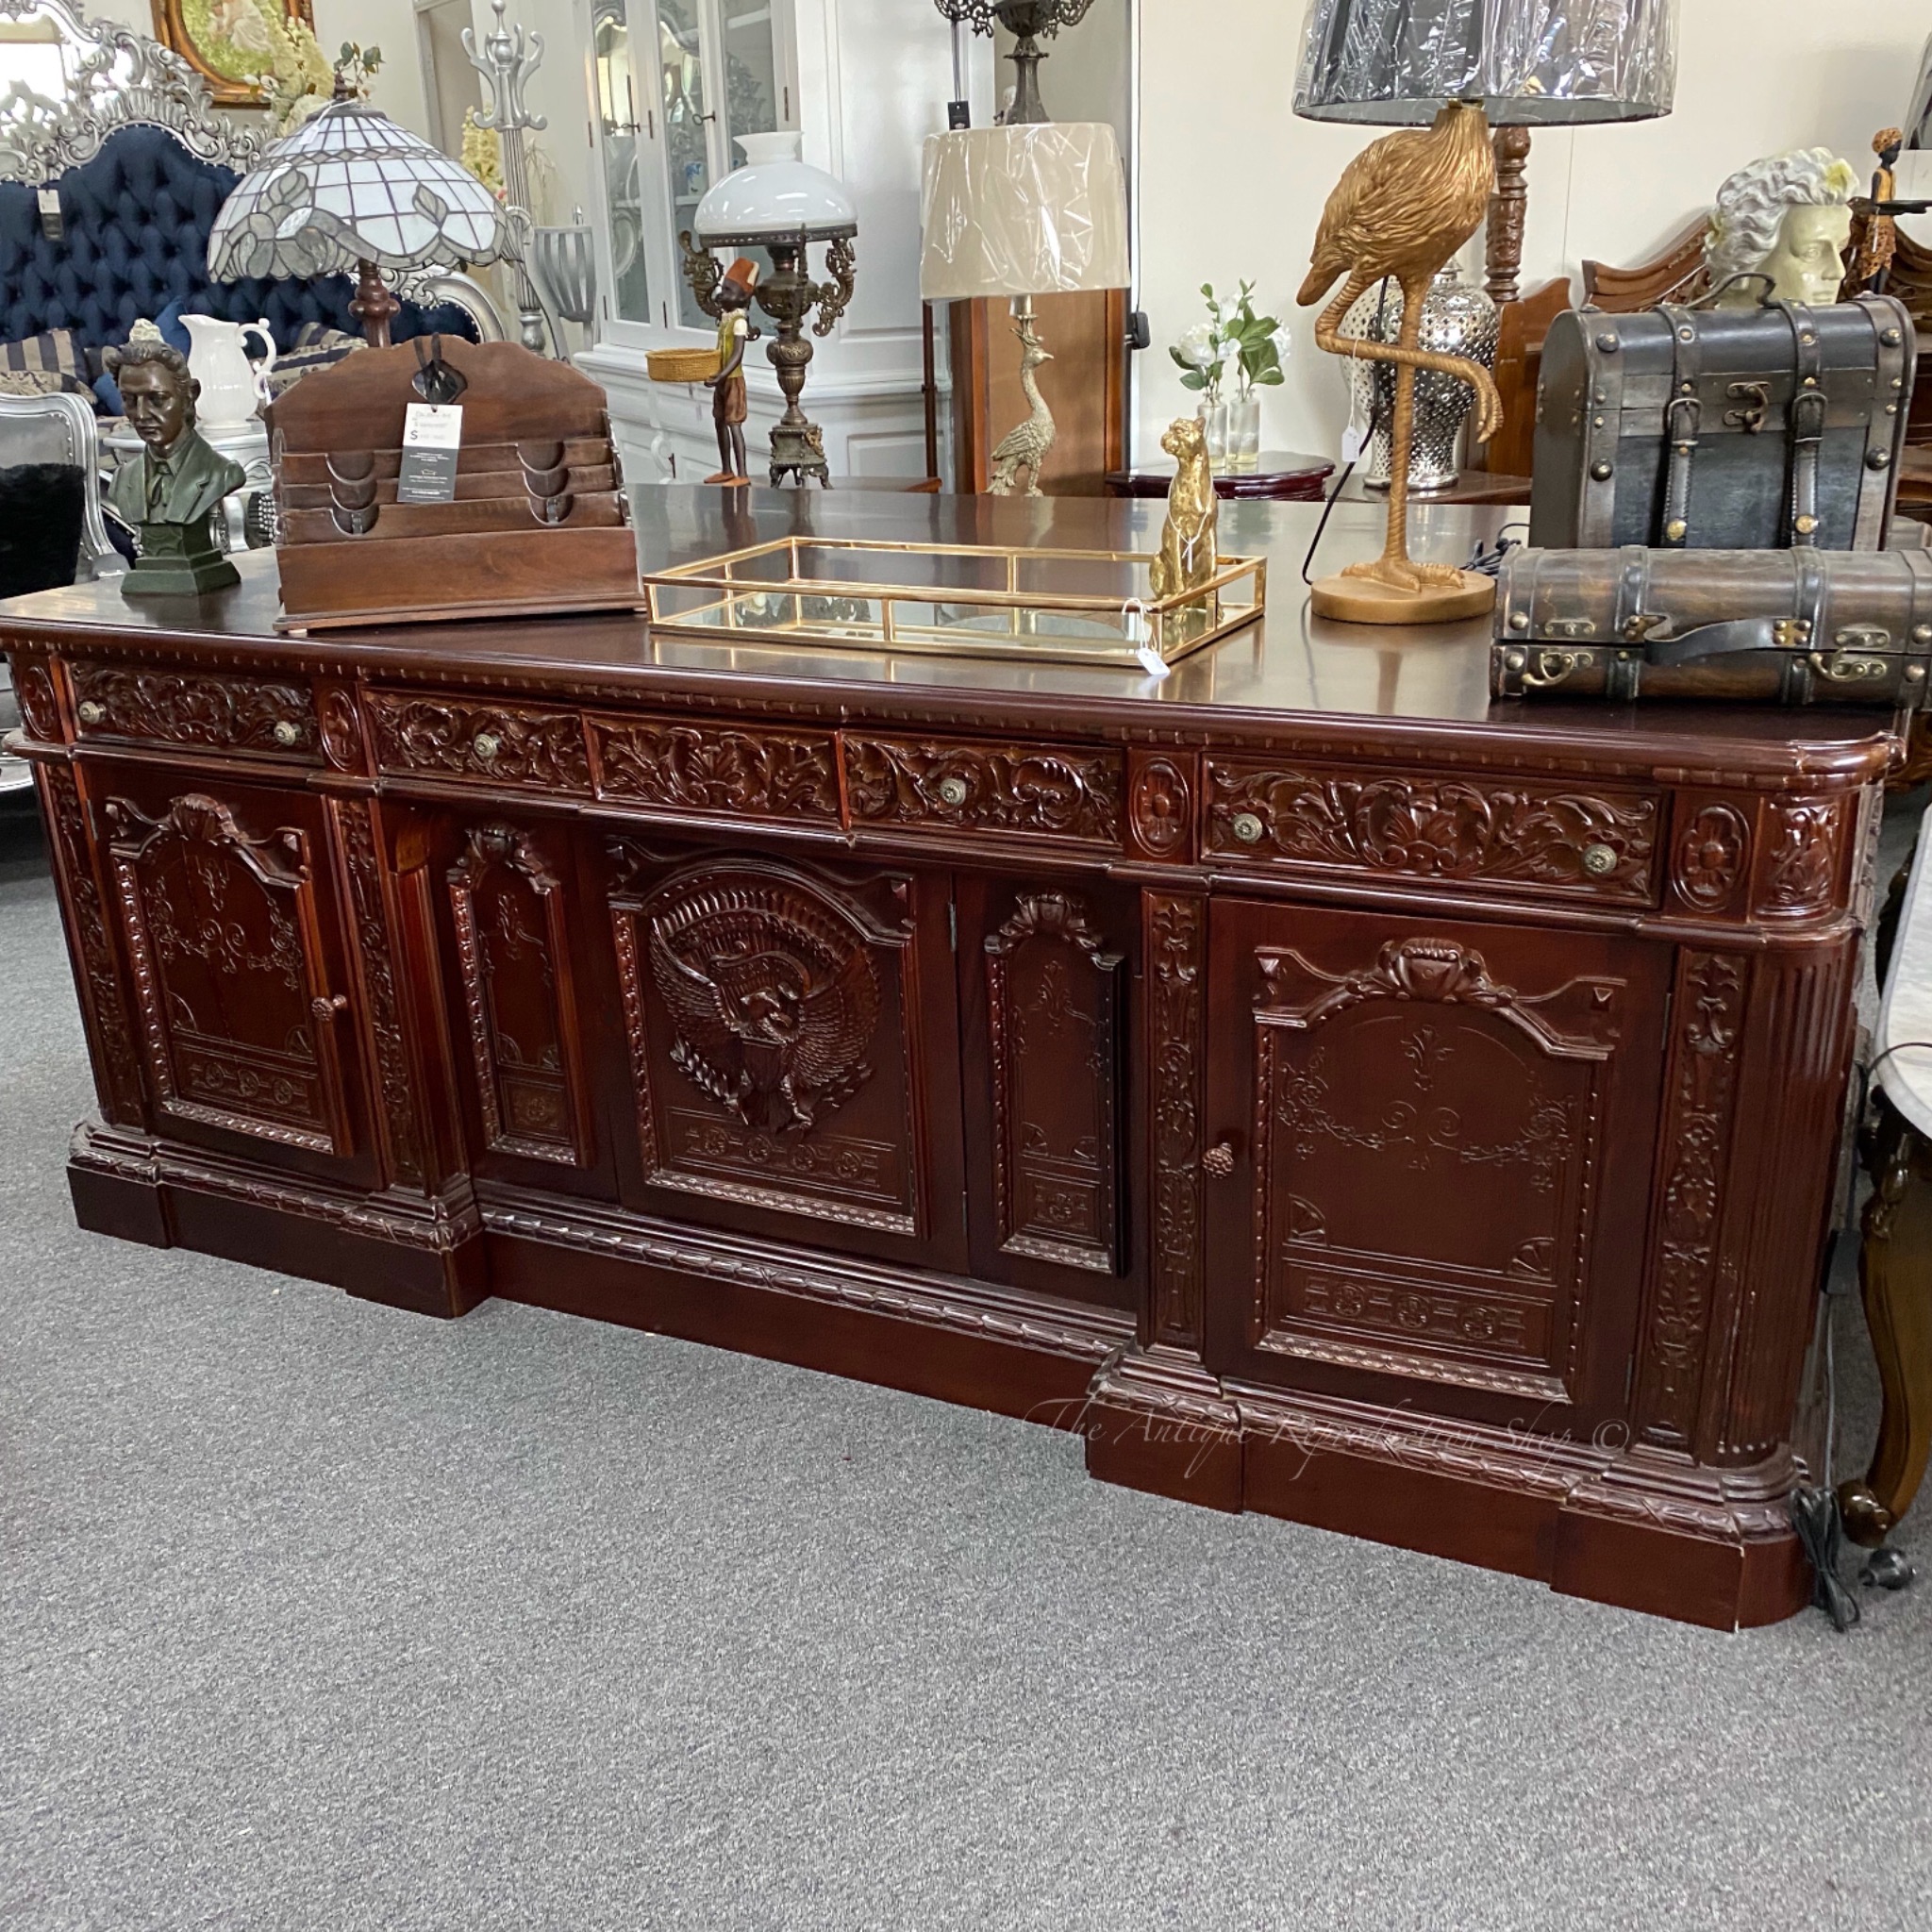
x: 316, y: 1615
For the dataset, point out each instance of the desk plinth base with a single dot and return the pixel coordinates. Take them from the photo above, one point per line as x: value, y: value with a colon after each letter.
x: 1362, y: 600
x: 1697, y: 1545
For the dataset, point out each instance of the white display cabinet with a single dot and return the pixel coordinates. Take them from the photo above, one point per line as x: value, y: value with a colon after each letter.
x: 670, y: 84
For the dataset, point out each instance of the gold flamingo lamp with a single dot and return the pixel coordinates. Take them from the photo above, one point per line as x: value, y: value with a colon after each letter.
x: 1443, y: 73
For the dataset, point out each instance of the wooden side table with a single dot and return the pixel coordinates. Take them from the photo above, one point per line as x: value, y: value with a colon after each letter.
x: 1895, y: 1262
x: 1281, y: 476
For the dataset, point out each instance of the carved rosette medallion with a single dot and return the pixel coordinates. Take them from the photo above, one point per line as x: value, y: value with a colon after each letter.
x: 709, y: 769
x: 1161, y: 808
x: 1697, y: 1135
x: 1175, y: 1019
x: 1429, y: 829
x: 200, y: 709
x: 1051, y: 994
x: 1801, y: 864
x: 774, y: 999
x: 1044, y: 792
x: 355, y: 823
x: 1713, y: 858
x: 340, y: 727
x: 39, y: 710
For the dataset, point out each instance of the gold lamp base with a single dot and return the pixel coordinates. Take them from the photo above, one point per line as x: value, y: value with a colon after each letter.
x: 1362, y: 600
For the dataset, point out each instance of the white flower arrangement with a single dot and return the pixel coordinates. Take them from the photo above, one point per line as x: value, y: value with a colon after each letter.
x: 1233, y: 341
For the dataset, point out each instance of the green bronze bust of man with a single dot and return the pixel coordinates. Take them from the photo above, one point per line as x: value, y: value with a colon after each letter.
x: 170, y: 492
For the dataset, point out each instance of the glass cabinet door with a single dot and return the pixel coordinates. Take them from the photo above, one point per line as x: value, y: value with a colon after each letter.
x: 621, y: 141
x: 668, y: 130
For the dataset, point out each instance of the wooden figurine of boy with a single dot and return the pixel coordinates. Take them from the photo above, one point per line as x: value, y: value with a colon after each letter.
x: 171, y: 491
x: 729, y: 402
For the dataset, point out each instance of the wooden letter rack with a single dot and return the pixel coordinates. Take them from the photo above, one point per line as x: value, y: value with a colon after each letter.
x: 538, y: 524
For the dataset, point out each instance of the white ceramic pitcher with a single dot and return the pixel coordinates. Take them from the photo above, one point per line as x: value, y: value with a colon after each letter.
x: 233, y: 384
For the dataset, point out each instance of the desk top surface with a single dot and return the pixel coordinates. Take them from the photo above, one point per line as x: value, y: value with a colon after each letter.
x: 1290, y: 663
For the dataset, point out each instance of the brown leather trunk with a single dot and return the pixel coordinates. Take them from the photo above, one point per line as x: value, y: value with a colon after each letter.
x: 1788, y: 626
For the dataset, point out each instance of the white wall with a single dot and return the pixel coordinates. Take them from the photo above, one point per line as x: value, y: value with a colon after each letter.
x: 1233, y: 185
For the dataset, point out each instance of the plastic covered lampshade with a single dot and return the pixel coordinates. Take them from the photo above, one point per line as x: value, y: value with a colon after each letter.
x: 1529, y: 62
x: 1028, y: 211
x: 351, y: 187
x: 774, y: 196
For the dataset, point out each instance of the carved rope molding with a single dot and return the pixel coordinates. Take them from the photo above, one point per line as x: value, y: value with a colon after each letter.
x: 199, y: 709
x: 1049, y: 792
x: 1428, y: 828
x: 1022, y: 1148
x: 1176, y: 944
x: 1697, y: 1135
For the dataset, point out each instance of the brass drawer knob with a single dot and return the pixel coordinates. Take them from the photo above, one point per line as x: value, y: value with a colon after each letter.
x: 1248, y: 828
x: 287, y: 733
x: 487, y: 745
x: 1599, y: 861
x: 92, y: 713
x: 1218, y: 1161
x: 952, y: 792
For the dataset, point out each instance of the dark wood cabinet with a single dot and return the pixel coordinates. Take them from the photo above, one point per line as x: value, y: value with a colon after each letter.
x: 1437, y: 1140
x: 1420, y: 1125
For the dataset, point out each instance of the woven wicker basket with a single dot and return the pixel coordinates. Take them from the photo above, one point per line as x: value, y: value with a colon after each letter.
x: 681, y: 365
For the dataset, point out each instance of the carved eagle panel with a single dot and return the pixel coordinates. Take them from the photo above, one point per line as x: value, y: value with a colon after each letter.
x: 772, y: 996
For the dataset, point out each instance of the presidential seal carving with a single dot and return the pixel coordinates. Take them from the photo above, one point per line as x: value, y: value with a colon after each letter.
x: 773, y: 996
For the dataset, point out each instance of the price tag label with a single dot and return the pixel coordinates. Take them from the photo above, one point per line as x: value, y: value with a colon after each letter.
x: 50, y: 224
x: 432, y: 435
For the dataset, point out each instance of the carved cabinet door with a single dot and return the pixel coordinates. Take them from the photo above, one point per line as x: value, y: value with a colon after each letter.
x: 1430, y: 1148
x: 510, y: 914
x: 225, y: 899
x: 1045, y: 968
x: 779, y: 1051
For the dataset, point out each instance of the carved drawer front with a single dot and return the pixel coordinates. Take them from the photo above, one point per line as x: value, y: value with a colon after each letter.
x: 1047, y: 791
x: 202, y: 710
x: 1053, y: 1008
x: 500, y: 745
x: 239, y: 1023
x: 1522, y: 836
x: 718, y: 769
x: 506, y: 901
x: 1443, y: 1184
x: 771, y: 1017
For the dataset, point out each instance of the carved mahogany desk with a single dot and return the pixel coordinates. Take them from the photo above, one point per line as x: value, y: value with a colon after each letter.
x: 1333, y: 1097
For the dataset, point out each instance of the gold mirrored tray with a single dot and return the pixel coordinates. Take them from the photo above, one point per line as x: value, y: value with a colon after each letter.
x: 1065, y: 607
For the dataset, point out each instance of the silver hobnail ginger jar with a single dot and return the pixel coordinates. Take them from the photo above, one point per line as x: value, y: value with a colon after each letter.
x: 1457, y: 319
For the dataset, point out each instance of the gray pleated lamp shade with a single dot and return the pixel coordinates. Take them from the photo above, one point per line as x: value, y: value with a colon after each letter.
x: 1530, y: 63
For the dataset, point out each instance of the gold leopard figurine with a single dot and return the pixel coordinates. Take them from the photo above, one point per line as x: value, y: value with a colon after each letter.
x: 1188, y: 541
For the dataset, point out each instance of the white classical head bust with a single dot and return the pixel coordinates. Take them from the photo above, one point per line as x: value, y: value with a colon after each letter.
x: 1789, y: 217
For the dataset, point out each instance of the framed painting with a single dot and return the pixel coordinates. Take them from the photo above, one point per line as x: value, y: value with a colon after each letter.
x: 226, y: 41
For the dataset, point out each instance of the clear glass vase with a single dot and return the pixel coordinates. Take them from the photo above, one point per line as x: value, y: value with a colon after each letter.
x: 1213, y: 417
x: 1245, y: 436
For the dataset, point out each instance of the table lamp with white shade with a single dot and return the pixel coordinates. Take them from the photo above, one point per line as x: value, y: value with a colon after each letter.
x: 785, y: 205
x: 1022, y: 211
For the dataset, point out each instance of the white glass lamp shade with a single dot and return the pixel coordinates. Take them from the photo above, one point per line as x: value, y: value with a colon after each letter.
x: 348, y: 186
x: 774, y: 196
x: 1029, y: 211
x: 1529, y: 62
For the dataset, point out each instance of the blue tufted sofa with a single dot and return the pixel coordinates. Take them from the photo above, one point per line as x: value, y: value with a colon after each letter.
x: 137, y: 218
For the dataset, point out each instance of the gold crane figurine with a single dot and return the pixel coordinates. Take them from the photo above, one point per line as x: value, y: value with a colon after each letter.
x: 1402, y: 208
